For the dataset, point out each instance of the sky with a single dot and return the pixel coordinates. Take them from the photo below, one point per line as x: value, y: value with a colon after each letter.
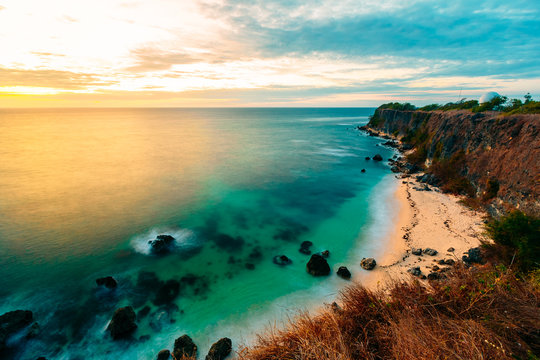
x: 175, y: 53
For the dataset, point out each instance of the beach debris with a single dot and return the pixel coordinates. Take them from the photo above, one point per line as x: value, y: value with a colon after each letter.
x: 473, y: 255
x: 282, y: 260
x: 162, y: 244
x: 122, y: 324
x: 317, y: 266
x: 451, y: 249
x: 220, y: 349
x: 108, y: 281
x: 164, y: 355
x: 430, y: 251
x: 416, y: 251
x: 377, y: 157
x: 184, y: 346
x: 344, y: 273
x: 305, y: 247
x: 368, y: 263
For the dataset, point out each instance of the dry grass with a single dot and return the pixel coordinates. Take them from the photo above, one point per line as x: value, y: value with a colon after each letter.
x: 477, y: 313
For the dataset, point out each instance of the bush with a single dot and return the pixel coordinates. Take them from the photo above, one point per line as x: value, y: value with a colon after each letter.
x: 450, y: 171
x: 492, y: 188
x: 520, y: 233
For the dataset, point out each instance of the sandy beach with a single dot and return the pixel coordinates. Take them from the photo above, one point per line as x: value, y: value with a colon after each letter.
x: 426, y: 219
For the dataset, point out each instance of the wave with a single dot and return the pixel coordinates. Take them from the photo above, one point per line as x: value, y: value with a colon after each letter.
x: 184, y: 239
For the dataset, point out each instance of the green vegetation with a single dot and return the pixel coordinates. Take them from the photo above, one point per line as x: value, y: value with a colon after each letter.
x: 520, y: 235
x: 499, y: 103
x: 419, y: 139
x: 450, y: 172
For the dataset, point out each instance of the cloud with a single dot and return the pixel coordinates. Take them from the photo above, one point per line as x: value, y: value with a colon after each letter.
x: 56, y: 79
x: 2, y: 8
x: 151, y: 59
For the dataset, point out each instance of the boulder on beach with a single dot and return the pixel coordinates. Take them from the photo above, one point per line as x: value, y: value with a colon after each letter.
x: 415, y: 271
x: 430, y: 251
x: 282, y: 260
x: 220, y: 349
x: 162, y: 244
x: 184, y: 346
x: 108, y: 281
x: 344, y: 273
x: 368, y: 263
x: 377, y: 157
x: 416, y: 251
x: 122, y: 324
x: 12, y: 322
x: 164, y: 355
x: 318, y: 266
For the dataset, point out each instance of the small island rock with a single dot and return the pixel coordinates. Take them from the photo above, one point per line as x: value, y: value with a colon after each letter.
x: 184, y: 346
x: 108, y: 281
x: 122, y: 323
x: 377, y: 157
x: 318, y: 266
x: 282, y: 260
x: 344, y: 272
x: 164, y: 355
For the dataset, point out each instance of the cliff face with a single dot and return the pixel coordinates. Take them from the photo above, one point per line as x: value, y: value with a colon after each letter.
x: 505, y: 148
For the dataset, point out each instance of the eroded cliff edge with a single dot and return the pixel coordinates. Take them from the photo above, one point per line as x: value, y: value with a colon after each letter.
x: 502, y: 148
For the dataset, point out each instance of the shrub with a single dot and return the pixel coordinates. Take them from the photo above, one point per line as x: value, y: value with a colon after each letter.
x: 492, y: 188
x: 521, y: 234
x: 450, y: 172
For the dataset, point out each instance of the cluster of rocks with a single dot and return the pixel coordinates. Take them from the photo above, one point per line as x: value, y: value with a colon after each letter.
x: 427, y: 251
x: 13, y: 322
x: 401, y: 166
x: 305, y: 247
x: 185, y: 347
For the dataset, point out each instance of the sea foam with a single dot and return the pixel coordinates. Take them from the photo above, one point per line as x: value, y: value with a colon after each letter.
x: 184, y: 239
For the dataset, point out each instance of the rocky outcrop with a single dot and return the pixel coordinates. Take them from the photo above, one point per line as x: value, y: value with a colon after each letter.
x: 220, y: 349
x: 108, y: 281
x: 162, y: 244
x: 344, y: 273
x: 318, y: 266
x: 164, y: 355
x: 505, y: 148
x: 122, y: 324
x: 184, y: 346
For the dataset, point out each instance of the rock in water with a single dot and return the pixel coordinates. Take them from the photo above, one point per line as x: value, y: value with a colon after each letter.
x: 325, y: 254
x: 184, y: 346
x: 167, y: 293
x: 344, y: 272
x: 122, y: 323
x: 109, y: 282
x: 282, y: 260
x: 377, y: 157
x: 305, y: 247
x: 318, y: 266
x: 11, y: 322
x: 164, y: 355
x: 163, y: 244
x: 220, y: 349
x: 368, y: 263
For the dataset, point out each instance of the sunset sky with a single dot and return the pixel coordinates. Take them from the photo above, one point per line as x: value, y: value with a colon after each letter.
x: 264, y: 53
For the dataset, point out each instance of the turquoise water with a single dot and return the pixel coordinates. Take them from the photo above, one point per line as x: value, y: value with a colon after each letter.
x: 82, y: 191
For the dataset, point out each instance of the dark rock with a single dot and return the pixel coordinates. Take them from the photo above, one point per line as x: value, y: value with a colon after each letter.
x: 12, y: 322
x: 368, y: 263
x: 122, y: 323
x: 451, y: 249
x: 449, y: 262
x: 143, y: 312
x: 363, y: 170
x: 368, y: 158
x: 282, y: 260
x: 473, y: 255
x: 415, y: 251
x: 433, y: 276
x: 434, y: 268
x: 325, y: 254
x: 34, y: 331
x: 415, y: 271
x: 344, y: 272
x: 163, y: 244
x: 184, y: 346
x: 229, y: 243
x: 441, y: 262
x: 377, y: 157
x: 109, y: 282
x: 431, y: 252
x: 317, y: 266
x: 220, y: 349
x: 306, y: 244
x: 395, y: 169
x: 167, y: 293
x: 144, y: 338
x: 305, y: 247
x: 250, y: 266
x: 164, y: 355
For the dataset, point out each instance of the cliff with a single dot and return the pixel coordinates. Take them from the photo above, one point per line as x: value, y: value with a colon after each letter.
x: 504, y: 149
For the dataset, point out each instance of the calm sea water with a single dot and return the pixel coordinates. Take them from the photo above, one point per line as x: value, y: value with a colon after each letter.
x: 82, y: 192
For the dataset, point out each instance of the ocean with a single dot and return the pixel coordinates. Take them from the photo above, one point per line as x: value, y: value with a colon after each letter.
x: 83, y: 191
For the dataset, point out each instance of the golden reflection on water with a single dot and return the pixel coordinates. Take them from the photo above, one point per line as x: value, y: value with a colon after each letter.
x: 80, y: 173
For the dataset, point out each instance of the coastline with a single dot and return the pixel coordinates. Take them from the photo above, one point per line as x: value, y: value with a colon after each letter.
x: 425, y: 219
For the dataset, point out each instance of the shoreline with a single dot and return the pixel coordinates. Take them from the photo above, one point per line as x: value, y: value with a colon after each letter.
x: 425, y: 219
